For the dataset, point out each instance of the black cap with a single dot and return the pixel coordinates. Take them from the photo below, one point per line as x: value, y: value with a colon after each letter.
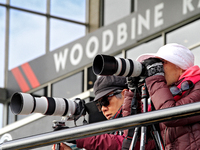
x: 106, y: 84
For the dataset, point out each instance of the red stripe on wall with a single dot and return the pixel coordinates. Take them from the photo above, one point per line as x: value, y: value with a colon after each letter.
x: 20, y: 80
x: 30, y: 75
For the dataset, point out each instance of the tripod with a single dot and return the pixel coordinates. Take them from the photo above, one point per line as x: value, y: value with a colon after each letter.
x: 132, y: 83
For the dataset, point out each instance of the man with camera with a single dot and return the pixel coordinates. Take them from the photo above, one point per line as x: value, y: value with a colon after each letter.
x: 109, y: 96
x: 172, y: 79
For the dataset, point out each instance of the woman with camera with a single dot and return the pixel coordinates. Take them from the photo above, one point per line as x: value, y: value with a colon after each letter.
x: 173, y: 80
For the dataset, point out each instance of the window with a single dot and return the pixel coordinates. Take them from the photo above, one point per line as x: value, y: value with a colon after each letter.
x: 62, y: 32
x: 70, y: 9
x: 11, y: 116
x: 27, y: 37
x: 119, y: 55
x: 196, y: 53
x: 34, y: 5
x: 2, y: 54
x: 148, y: 47
x: 91, y: 78
x: 30, y: 32
x: 187, y: 35
x: 41, y: 92
x: 68, y: 87
x: 2, y: 45
x: 112, y: 12
x: 2, y: 1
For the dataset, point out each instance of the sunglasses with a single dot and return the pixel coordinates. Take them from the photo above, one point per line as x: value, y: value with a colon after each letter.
x: 104, y: 100
x: 185, y: 85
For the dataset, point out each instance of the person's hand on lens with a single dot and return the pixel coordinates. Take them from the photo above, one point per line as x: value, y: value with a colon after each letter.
x: 62, y: 147
x: 154, y: 66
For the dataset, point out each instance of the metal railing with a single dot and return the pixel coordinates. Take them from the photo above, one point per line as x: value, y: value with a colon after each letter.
x: 103, y: 127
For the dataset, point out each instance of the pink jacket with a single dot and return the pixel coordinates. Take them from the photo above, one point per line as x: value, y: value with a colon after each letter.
x: 179, y: 134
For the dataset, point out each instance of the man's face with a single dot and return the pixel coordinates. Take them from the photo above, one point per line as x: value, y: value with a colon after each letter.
x: 172, y: 72
x: 114, y: 105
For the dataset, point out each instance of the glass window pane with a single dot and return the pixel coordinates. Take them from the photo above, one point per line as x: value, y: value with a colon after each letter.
x: 27, y: 37
x: 35, y: 5
x: 11, y: 116
x: 1, y: 115
x: 148, y: 47
x: 196, y: 53
x: 91, y: 78
x: 2, y: 1
x: 70, y: 9
x: 187, y: 35
x: 112, y: 12
x: 2, y: 54
x: 2, y: 45
x: 19, y: 117
x: 62, y: 32
x: 119, y: 55
x: 41, y: 92
x: 68, y: 87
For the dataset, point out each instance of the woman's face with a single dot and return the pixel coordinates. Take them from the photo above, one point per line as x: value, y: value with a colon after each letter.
x: 172, y: 72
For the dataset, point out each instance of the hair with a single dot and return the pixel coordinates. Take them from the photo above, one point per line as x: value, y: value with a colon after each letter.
x: 119, y: 96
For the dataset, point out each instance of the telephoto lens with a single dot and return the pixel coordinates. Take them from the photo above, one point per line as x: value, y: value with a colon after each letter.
x: 109, y: 65
x: 24, y: 104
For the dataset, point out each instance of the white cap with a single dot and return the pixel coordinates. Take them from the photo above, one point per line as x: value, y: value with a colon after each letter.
x: 175, y: 53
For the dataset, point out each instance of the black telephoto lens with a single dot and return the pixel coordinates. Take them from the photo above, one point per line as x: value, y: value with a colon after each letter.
x: 109, y: 65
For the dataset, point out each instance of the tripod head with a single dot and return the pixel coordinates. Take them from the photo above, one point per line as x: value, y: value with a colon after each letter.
x: 134, y: 84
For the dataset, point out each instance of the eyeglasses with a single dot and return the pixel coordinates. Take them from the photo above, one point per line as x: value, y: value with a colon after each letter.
x: 185, y: 85
x: 104, y: 100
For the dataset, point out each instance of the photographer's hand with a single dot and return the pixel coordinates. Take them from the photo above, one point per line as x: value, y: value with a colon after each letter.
x: 62, y: 147
x: 154, y: 66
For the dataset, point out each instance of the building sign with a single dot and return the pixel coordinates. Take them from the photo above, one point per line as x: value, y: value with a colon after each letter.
x: 151, y: 17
